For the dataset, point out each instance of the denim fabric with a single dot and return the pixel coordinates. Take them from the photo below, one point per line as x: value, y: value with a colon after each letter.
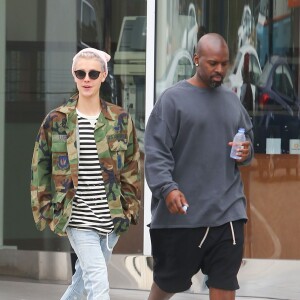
x: 90, y: 277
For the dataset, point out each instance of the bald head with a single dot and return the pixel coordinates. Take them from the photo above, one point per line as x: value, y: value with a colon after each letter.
x: 211, y: 60
x: 211, y: 42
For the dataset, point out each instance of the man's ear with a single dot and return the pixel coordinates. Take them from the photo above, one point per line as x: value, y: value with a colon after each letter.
x: 196, y: 60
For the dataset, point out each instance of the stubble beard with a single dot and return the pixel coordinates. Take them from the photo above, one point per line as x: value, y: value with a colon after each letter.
x: 209, y: 82
x: 215, y: 84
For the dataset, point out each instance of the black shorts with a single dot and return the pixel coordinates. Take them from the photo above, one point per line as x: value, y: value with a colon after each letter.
x: 177, y: 256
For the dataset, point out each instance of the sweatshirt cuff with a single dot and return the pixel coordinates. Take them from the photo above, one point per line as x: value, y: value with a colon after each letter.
x: 165, y: 190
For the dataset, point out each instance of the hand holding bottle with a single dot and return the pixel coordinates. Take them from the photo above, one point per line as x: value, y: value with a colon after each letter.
x: 240, y: 146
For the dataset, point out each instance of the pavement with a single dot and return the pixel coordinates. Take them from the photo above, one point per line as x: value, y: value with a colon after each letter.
x: 22, y: 289
x: 131, y: 278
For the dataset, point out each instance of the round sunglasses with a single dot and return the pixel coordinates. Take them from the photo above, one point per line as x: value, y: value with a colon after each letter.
x: 93, y: 74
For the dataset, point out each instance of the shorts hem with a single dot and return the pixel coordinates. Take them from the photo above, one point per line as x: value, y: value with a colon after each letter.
x: 171, y: 290
x: 222, y: 287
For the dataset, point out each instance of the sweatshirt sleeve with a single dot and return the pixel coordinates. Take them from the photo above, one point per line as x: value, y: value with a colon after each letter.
x: 247, y: 124
x: 159, y: 161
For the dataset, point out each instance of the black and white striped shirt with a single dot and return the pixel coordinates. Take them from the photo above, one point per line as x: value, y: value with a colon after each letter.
x: 90, y: 207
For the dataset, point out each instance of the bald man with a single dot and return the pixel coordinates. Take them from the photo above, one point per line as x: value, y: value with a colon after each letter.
x: 198, y: 204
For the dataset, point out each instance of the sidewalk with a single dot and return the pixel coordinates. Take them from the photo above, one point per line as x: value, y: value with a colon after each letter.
x: 18, y: 289
x: 130, y: 278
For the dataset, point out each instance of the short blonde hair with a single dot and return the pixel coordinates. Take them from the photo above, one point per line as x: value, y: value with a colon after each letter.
x: 92, y: 53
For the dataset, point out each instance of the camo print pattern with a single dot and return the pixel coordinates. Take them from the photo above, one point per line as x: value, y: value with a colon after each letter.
x: 54, y: 178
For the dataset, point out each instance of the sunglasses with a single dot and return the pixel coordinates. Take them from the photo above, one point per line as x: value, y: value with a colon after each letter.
x: 93, y: 74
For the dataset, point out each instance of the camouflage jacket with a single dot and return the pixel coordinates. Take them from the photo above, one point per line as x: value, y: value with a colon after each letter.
x: 54, y: 171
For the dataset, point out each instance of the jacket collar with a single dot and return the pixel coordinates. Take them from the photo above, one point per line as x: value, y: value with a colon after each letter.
x: 70, y: 107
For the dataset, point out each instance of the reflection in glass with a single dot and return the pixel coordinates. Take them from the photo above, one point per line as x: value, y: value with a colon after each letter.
x: 176, y: 42
x: 269, y: 90
x: 39, y: 52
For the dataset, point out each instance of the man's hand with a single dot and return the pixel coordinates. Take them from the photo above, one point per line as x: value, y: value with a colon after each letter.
x: 243, y: 153
x: 175, y: 200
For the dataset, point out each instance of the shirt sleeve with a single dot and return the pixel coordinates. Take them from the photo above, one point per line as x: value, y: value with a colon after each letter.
x: 159, y: 161
x: 130, y: 175
x: 247, y: 124
x: 41, y: 196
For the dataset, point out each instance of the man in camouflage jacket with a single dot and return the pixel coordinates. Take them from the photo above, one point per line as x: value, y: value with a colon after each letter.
x: 55, y: 166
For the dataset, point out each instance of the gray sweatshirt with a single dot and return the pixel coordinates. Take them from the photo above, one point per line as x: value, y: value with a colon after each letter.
x: 186, y: 148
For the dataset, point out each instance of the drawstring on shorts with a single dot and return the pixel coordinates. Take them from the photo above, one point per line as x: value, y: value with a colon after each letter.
x: 207, y: 230
x: 206, y: 233
x: 232, y: 232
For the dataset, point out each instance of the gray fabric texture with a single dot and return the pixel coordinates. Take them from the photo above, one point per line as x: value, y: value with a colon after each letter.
x: 186, y: 148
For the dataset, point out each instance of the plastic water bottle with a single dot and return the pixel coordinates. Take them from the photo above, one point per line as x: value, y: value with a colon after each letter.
x: 237, y: 140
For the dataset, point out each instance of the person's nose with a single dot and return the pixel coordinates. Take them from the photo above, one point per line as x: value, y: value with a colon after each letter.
x: 86, y: 78
x: 220, y: 69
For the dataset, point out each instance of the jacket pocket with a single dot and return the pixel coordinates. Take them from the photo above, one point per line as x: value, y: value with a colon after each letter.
x: 117, y: 150
x: 117, y: 145
x: 58, y: 203
x: 60, y: 159
x: 61, y: 208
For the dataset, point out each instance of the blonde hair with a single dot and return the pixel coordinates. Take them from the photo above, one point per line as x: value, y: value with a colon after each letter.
x: 93, y: 53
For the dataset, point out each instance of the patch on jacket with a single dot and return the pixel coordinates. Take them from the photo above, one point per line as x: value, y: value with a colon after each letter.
x: 59, y: 137
x: 63, y: 162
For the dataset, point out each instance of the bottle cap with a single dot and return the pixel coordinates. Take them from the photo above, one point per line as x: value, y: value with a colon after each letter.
x: 185, y: 207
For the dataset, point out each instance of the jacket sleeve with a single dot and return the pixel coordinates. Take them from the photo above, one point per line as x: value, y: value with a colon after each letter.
x: 159, y: 160
x: 131, y: 176
x: 41, y: 179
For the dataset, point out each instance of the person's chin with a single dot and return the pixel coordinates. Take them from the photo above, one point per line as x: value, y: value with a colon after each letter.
x: 87, y: 93
x: 215, y: 84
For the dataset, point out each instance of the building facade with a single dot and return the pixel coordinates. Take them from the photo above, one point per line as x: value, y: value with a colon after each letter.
x: 152, y: 45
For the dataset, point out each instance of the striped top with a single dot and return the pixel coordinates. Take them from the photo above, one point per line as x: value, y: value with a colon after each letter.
x: 90, y: 207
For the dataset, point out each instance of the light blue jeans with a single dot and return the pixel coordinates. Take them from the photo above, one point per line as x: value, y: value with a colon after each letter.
x: 93, y: 251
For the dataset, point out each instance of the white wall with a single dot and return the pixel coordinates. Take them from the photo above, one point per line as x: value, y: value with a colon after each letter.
x: 2, y: 111
x: 150, y: 68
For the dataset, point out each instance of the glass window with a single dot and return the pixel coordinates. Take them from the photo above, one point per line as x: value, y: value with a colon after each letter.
x: 236, y: 62
x: 282, y: 82
x: 255, y: 70
x: 176, y: 42
x: 39, y: 52
x: 88, y: 23
x: 263, y: 41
